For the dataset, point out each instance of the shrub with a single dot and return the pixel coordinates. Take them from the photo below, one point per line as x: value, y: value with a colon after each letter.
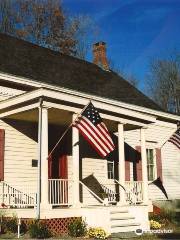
x: 11, y: 225
x: 2, y: 221
x: 164, y: 217
x: 154, y: 224
x: 39, y: 230
x: 97, y: 233
x: 78, y: 228
x: 23, y: 227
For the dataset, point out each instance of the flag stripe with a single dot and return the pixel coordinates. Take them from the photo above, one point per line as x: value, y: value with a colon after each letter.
x: 95, y: 134
x: 108, y: 138
x: 91, y: 139
x: 85, y: 125
x: 101, y: 127
x: 175, y: 139
x: 105, y: 128
x: 101, y: 136
x: 91, y: 143
x: 175, y: 143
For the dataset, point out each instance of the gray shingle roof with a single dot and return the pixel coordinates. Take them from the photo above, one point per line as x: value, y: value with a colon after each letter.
x: 41, y: 64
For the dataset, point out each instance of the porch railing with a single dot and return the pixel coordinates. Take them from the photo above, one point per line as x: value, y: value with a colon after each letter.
x: 134, y: 191
x: 60, y: 192
x: 10, y: 196
x: 111, y: 194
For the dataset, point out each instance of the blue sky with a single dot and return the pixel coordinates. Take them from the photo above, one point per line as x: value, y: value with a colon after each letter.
x: 134, y: 30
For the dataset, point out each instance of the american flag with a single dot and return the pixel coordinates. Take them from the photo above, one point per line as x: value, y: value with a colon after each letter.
x: 92, y: 128
x: 175, y: 138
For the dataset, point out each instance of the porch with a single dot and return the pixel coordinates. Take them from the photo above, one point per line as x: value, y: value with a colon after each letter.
x: 60, y: 194
x: 54, y: 187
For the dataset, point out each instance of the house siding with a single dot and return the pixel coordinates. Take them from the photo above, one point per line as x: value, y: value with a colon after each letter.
x: 19, y: 152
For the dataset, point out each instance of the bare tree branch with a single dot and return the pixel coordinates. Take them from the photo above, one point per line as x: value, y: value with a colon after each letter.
x: 45, y: 23
x: 163, y: 82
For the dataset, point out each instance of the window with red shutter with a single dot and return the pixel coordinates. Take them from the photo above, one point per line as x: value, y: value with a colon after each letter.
x: 2, y: 138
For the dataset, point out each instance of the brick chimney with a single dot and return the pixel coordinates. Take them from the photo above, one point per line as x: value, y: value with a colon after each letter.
x: 99, y: 55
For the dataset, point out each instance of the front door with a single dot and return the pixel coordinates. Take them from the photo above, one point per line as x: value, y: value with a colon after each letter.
x: 63, y: 176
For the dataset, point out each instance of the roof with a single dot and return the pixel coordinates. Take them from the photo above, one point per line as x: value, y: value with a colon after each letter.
x: 27, y: 60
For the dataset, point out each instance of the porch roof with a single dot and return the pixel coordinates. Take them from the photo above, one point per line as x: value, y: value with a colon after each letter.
x: 29, y: 101
x: 74, y: 101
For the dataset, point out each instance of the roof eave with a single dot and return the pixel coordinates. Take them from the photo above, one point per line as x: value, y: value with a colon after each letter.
x: 42, y: 85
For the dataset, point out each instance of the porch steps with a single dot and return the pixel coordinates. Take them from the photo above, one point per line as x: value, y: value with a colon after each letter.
x: 122, y: 221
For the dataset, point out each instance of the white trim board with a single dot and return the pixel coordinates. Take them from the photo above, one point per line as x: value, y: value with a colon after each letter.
x: 74, y: 99
x: 31, y: 82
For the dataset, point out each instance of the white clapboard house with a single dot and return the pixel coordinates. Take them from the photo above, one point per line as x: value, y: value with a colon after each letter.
x: 41, y: 93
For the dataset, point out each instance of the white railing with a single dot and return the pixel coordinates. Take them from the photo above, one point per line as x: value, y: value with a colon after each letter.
x: 12, y: 196
x: 134, y: 191
x: 111, y: 194
x: 60, y: 192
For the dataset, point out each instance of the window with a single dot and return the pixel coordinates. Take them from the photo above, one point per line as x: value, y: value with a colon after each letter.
x: 110, y: 168
x: 151, y: 164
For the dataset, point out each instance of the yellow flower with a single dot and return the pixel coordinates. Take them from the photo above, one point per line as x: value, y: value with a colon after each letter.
x: 97, y: 233
x: 155, y: 224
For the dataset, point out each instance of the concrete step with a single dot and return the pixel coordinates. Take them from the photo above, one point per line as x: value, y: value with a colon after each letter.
x: 119, y: 211
x: 121, y: 215
x: 119, y: 222
x: 122, y: 218
x: 124, y: 227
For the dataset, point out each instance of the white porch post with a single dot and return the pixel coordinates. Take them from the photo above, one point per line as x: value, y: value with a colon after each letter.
x: 121, y: 162
x: 44, y: 160
x: 144, y: 166
x: 75, y: 163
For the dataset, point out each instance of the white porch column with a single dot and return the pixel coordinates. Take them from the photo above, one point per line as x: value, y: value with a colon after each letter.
x: 44, y: 160
x: 121, y: 162
x: 75, y: 163
x: 144, y: 166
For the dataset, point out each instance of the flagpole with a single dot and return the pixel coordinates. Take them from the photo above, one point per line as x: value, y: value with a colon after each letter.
x: 78, y: 114
x: 60, y: 139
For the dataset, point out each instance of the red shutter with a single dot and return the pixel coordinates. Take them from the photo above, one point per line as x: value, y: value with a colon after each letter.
x: 127, y: 170
x: 139, y: 164
x: 127, y: 164
x: 2, y: 139
x: 50, y: 167
x: 159, y: 163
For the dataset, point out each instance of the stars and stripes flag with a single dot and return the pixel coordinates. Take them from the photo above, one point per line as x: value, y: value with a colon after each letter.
x: 175, y: 138
x: 92, y: 128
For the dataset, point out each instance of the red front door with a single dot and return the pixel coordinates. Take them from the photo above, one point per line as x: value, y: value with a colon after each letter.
x: 63, y: 171
x: 63, y: 175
